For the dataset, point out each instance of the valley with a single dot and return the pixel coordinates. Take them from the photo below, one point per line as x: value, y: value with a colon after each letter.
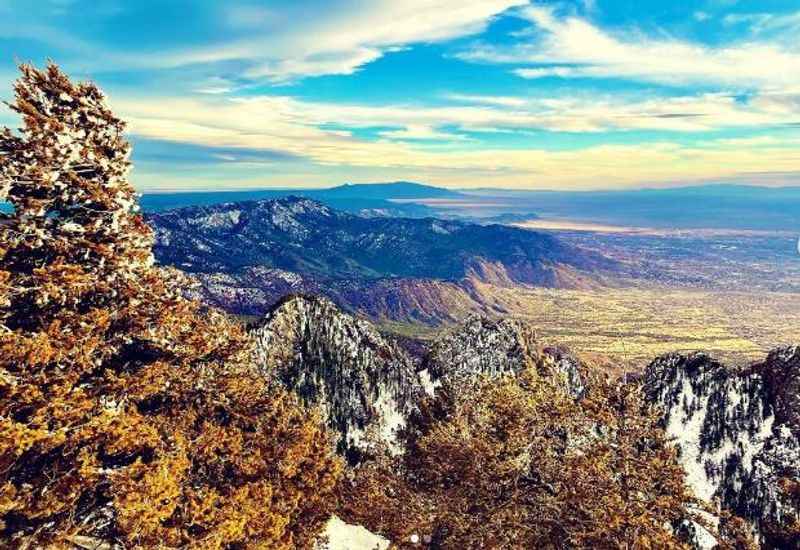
x: 632, y: 325
x: 622, y: 293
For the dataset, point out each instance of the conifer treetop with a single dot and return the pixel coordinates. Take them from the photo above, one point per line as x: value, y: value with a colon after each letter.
x: 66, y: 175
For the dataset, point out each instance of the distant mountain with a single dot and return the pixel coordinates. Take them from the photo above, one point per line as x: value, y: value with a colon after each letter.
x: 703, y: 206
x: 391, y: 190
x: 737, y: 431
x: 248, y: 248
x: 361, y: 205
x: 366, y: 199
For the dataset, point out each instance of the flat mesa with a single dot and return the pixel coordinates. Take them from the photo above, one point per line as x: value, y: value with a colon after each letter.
x: 453, y: 203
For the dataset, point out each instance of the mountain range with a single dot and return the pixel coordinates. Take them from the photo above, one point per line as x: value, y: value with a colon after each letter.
x: 719, y: 206
x: 370, y: 199
x: 736, y: 430
x: 248, y: 254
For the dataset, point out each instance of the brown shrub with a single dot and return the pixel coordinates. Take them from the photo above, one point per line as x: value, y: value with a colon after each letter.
x: 517, y: 463
x: 127, y: 413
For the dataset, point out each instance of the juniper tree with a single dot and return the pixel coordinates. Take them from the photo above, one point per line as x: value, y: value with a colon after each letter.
x: 518, y: 462
x: 127, y: 413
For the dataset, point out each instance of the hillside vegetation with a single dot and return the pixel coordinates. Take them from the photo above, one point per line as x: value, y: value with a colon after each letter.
x: 127, y: 413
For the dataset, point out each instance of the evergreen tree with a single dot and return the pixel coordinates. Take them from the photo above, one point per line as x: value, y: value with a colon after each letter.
x: 128, y: 414
x: 518, y: 462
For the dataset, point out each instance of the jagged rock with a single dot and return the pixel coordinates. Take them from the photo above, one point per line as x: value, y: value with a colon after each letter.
x: 564, y: 364
x: 484, y: 347
x: 365, y: 383
x: 736, y: 431
x: 481, y: 346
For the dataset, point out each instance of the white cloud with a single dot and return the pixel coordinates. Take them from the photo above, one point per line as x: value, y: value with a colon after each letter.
x: 301, y: 127
x: 280, y: 44
x: 328, y: 63
x: 293, y: 127
x: 337, y: 37
x: 500, y: 101
x: 416, y: 132
x: 543, y: 72
x: 589, y: 51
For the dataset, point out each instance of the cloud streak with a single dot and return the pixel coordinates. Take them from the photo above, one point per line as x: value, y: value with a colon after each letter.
x: 300, y: 39
x: 284, y: 126
x: 572, y: 47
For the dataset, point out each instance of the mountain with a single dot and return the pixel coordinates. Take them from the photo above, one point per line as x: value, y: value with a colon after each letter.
x: 737, y: 432
x: 364, y: 199
x: 736, y: 429
x: 391, y: 190
x: 366, y: 384
x: 234, y: 250
x: 480, y: 346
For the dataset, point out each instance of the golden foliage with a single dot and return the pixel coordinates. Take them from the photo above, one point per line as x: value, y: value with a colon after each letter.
x: 518, y: 463
x: 127, y: 413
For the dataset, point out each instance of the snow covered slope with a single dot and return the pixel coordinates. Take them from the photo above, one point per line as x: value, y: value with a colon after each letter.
x: 365, y: 384
x: 737, y: 432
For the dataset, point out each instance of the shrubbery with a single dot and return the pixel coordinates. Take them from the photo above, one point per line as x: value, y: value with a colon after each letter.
x: 518, y: 462
x: 127, y: 413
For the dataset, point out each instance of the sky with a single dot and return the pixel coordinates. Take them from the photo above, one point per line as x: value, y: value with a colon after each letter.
x: 588, y: 94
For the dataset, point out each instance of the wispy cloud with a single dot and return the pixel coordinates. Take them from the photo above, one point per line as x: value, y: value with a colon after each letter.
x: 500, y: 101
x: 284, y: 126
x: 761, y: 23
x: 568, y: 46
x: 281, y: 44
x: 576, y: 113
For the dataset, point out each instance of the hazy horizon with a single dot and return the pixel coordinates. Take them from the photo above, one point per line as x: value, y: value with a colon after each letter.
x: 455, y: 187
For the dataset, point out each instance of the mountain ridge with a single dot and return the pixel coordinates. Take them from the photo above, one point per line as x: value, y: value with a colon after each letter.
x: 248, y: 254
x: 736, y: 430
x: 392, y: 190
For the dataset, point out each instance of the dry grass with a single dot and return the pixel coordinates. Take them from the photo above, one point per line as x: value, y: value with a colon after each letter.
x: 632, y: 326
x: 635, y: 325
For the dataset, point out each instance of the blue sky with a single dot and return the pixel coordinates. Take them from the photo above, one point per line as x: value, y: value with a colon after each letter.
x: 591, y: 94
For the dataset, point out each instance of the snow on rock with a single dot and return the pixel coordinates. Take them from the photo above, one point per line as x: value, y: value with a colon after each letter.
x: 252, y: 291
x: 366, y: 384
x: 736, y: 430
x: 343, y: 536
x: 480, y: 346
x: 225, y: 219
x: 486, y: 347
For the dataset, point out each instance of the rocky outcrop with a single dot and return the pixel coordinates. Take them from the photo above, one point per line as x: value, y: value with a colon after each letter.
x: 485, y: 347
x: 736, y: 431
x: 365, y: 384
x: 481, y: 346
